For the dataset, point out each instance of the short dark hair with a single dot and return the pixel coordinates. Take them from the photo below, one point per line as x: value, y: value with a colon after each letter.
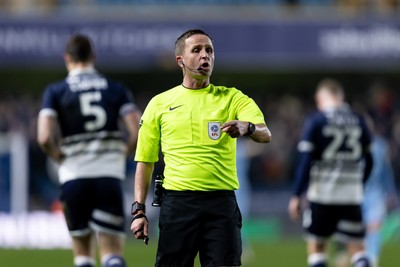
x: 180, y: 42
x: 79, y: 47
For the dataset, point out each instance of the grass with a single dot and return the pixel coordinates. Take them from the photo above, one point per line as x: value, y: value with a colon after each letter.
x: 274, y: 254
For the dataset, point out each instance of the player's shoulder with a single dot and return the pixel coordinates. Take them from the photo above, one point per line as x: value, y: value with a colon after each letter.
x: 57, y: 86
x: 314, y: 121
x: 359, y: 115
x: 316, y: 116
x: 119, y: 88
x: 114, y: 83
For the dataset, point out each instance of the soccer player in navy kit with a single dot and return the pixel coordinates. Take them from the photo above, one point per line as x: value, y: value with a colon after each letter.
x: 92, y: 151
x: 334, y: 163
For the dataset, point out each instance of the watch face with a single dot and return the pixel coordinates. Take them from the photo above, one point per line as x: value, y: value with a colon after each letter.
x: 252, y: 128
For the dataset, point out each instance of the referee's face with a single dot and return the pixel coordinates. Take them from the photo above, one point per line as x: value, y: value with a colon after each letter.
x: 199, y: 55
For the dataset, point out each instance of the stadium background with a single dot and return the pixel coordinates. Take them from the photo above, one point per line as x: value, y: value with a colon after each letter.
x: 274, y: 50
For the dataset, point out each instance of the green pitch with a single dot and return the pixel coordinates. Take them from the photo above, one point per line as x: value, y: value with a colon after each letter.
x: 274, y: 254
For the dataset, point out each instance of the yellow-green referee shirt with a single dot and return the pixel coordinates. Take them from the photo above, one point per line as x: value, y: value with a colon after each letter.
x: 186, y: 123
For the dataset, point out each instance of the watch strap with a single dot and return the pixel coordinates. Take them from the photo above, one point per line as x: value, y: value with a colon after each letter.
x: 136, y: 206
x: 251, y: 128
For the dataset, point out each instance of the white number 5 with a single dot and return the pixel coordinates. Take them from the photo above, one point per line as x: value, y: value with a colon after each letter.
x: 90, y: 108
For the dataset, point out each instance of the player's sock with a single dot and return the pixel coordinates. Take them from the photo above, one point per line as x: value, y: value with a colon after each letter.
x: 112, y: 260
x: 360, y: 259
x: 84, y: 261
x: 317, y: 260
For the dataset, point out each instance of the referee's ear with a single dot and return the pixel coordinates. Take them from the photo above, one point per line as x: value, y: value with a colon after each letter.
x: 179, y: 61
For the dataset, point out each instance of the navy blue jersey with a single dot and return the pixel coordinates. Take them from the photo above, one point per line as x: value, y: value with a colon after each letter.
x: 88, y: 106
x: 332, y: 152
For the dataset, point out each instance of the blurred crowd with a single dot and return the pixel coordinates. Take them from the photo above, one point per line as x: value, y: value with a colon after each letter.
x: 18, y: 113
x: 270, y: 167
x: 50, y: 6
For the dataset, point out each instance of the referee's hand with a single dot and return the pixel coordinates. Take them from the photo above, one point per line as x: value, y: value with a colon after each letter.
x: 140, y: 226
x: 235, y: 128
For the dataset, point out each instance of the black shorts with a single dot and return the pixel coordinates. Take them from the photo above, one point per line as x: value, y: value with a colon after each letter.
x: 208, y: 223
x: 343, y: 222
x: 93, y: 204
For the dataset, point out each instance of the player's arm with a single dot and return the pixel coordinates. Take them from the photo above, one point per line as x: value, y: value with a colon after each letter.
x: 257, y: 132
x: 388, y: 181
x: 302, y: 174
x: 368, y: 165
x: 302, y: 179
x: 131, y: 121
x: 144, y: 171
x: 366, y: 142
x: 48, y: 137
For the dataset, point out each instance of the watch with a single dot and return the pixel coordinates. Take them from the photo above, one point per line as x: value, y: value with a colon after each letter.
x: 136, y: 206
x: 251, y: 128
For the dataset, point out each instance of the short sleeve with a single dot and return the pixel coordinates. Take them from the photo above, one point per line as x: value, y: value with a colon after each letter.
x: 247, y: 109
x: 49, y: 104
x: 149, y: 135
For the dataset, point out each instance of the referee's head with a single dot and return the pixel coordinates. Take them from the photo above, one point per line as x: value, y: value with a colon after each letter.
x: 79, y: 50
x: 180, y: 42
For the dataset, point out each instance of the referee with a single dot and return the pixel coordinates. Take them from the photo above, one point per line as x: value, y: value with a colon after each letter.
x: 196, y: 125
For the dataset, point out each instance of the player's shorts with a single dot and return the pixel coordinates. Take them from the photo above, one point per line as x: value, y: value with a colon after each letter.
x: 343, y: 222
x: 208, y: 223
x: 93, y: 204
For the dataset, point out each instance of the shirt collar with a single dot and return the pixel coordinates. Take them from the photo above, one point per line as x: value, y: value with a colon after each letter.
x: 85, y: 70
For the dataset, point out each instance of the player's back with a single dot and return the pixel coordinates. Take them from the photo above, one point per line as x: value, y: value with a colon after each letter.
x: 86, y: 103
x: 340, y: 138
x: 88, y: 107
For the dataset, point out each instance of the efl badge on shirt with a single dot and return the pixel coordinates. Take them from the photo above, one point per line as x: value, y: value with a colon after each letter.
x: 214, y: 130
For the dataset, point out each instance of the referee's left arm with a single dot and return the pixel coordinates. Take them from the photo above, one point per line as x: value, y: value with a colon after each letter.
x: 262, y: 134
x: 258, y: 132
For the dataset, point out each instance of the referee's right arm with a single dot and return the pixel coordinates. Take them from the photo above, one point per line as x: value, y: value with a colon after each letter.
x: 139, y: 225
x: 144, y: 171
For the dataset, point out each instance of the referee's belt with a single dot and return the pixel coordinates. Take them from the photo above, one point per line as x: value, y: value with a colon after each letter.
x: 200, y: 193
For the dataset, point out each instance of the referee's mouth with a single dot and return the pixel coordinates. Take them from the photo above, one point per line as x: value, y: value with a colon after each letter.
x: 205, y: 67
